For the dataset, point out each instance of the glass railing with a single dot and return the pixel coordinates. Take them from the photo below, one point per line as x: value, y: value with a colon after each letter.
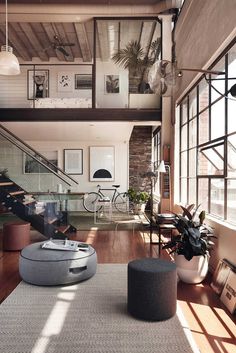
x: 28, y: 168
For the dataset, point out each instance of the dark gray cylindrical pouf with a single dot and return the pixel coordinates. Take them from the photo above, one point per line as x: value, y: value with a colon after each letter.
x: 56, y: 267
x: 152, y: 289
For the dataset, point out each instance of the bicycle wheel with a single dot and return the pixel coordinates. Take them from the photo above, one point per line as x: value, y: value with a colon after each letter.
x: 122, y: 202
x: 90, y: 202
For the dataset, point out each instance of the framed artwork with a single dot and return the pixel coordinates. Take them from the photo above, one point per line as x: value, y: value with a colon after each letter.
x: 32, y: 166
x: 102, y: 163
x: 112, y: 84
x: 220, y: 276
x: 83, y: 81
x: 37, y: 84
x: 73, y: 161
x: 65, y: 82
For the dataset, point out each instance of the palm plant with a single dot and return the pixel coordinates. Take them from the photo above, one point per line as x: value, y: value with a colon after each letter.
x: 137, y: 60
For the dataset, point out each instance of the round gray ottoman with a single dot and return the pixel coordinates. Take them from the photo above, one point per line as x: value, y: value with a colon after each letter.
x: 55, y: 267
x: 152, y: 289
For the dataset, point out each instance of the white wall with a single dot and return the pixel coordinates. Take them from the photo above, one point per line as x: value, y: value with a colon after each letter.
x: 14, y: 89
x: 203, y: 30
x: 121, y: 162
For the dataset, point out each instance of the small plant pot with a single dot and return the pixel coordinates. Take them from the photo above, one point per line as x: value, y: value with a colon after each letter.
x: 139, y: 208
x: 193, y: 271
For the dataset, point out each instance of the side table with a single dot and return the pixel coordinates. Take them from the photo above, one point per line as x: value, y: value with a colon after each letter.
x: 104, y: 211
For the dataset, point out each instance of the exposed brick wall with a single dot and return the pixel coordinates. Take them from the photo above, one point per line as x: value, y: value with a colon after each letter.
x: 140, y: 153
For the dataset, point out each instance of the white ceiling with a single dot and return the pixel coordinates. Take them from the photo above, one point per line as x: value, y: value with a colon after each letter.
x: 74, y: 131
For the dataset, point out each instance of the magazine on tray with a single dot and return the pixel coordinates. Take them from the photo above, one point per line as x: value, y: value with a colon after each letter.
x: 67, y: 245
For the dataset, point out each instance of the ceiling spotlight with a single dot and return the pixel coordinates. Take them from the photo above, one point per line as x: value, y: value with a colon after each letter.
x: 180, y: 74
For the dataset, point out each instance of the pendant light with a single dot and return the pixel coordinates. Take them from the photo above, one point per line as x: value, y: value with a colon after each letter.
x: 9, y: 64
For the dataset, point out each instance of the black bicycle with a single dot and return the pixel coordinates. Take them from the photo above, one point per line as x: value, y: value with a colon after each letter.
x: 93, y: 200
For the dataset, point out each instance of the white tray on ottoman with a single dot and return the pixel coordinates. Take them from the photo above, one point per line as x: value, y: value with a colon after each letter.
x: 41, y: 266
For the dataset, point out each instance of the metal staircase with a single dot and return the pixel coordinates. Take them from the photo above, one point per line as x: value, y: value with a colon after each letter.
x: 48, y: 220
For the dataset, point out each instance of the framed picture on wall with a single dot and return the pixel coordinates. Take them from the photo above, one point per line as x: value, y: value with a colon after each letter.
x: 37, y: 84
x: 83, y: 81
x: 73, y: 161
x: 32, y: 166
x: 102, y: 163
x: 65, y: 82
x: 112, y: 84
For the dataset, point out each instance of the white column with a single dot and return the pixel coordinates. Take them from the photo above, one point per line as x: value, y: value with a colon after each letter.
x: 166, y: 128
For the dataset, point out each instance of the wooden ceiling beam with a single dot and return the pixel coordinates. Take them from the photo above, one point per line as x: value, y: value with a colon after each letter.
x: 63, y: 38
x: 51, y: 34
x: 16, y: 42
x: 40, y: 32
x: 34, y: 41
x: 72, y: 38
x: 103, y: 40
x: 83, y: 42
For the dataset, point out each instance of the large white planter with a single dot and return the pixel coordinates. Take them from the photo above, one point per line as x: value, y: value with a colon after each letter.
x: 193, y: 271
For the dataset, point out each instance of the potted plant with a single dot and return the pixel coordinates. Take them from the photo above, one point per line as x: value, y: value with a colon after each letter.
x: 191, y: 246
x: 138, y: 61
x: 138, y: 199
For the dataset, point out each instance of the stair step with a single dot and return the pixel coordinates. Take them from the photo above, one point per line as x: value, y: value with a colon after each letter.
x: 63, y: 229
x: 52, y: 220
x: 29, y: 202
x: 6, y: 183
x: 19, y: 192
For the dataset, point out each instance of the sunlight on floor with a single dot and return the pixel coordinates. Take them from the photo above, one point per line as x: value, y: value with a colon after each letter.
x: 215, y: 322
x: 56, y: 319
x: 91, y: 237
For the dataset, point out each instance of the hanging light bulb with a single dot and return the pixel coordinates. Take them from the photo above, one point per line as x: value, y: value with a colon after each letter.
x: 9, y: 64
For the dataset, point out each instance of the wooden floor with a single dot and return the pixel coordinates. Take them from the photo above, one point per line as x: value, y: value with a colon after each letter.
x: 213, y: 328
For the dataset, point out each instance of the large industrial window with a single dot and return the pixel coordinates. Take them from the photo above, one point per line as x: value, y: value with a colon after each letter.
x: 208, y: 142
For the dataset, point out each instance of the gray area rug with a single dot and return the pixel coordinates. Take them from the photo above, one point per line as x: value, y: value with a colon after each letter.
x: 89, y: 317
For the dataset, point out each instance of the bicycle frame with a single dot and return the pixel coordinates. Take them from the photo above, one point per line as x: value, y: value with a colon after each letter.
x: 115, y: 192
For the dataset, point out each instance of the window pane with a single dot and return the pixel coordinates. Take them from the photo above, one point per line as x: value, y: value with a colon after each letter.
x: 231, y: 115
x: 193, y: 133
x: 204, y: 127
x: 203, y: 193
x: 203, y: 95
x: 231, y: 157
x: 211, y: 161
x: 183, y: 191
x: 217, y: 197
x: 184, y: 137
x: 184, y: 111
x: 193, y: 103
x: 183, y: 160
x: 192, y: 163
x: 218, y: 119
x: 192, y: 191
x: 216, y: 81
x: 231, y: 103
x: 231, y: 200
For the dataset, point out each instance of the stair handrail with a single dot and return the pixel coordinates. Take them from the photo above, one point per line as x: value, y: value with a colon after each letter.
x: 38, y: 153
x: 35, y: 158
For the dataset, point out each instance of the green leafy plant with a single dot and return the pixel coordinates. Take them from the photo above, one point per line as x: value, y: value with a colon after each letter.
x: 138, y: 60
x: 195, y: 237
x: 137, y: 197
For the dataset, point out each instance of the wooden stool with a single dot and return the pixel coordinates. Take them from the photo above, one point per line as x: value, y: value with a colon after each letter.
x: 16, y: 235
